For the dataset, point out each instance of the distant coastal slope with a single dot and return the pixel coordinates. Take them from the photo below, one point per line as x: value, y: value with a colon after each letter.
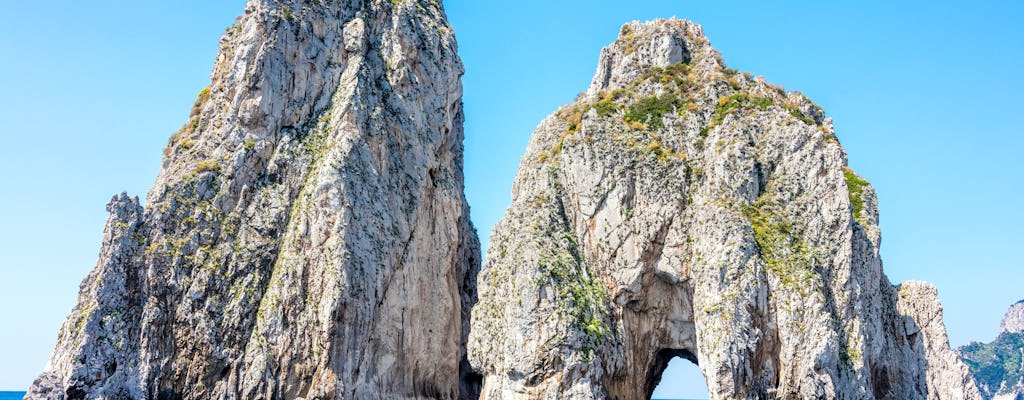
x: 998, y: 366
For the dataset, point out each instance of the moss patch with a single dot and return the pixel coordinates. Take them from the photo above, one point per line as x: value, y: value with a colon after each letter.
x: 855, y: 186
x: 581, y: 296
x: 785, y: 253
x: 651, y: 110
x: 582, y: 300
x: 729, y: 104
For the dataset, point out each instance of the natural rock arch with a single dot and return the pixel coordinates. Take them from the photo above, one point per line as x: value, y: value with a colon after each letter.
x: 679, y: 207
x: 662, y: 359
x: 308, y: 236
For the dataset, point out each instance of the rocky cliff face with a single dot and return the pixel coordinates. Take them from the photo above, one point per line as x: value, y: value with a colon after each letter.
x: 998, y: 367
x: 947, y: 376
x: 1013, y: 321
x: 679, y: 208
x: 307, y: 236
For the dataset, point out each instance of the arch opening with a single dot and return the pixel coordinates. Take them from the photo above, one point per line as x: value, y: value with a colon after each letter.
x: 675, y: 375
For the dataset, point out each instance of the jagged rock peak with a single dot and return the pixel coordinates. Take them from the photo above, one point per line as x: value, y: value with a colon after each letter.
x: 680, y: 208
x: 1013, y: 321
x: 660, y: 44
x: 307, y: 236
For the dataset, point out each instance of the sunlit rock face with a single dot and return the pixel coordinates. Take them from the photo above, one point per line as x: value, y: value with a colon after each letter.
x: 1013, y: 321
x: 307, y: 236
x: 680, y: 208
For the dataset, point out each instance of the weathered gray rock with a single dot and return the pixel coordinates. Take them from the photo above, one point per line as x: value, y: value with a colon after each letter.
x: 947, y: 376
x: 1013, y: 321
x: 307, y: 236
x: 679, y: 208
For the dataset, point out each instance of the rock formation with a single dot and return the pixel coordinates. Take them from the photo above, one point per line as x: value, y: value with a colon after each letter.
x: 679, y: 208
x: 948, y: 377
x: 998, y: 367
x: 307, y: 236
x: 1013, y: 321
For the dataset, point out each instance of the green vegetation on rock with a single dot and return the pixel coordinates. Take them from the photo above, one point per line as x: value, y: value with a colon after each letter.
x: 732, y: 103
x: 580, y: 293
x: 650, y: 110
x: 855, y: 186
x: 207, y: 166
x: 994, y: 363
x: 796, y: 113
x: 286, y: 12
x: 785, y: 253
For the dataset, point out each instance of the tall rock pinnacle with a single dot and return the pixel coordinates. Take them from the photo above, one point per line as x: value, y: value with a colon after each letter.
x: 679, y: 208
x: 307, y: 236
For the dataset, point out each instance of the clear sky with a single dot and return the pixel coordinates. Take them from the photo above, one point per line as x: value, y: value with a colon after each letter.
x: 926, y: 99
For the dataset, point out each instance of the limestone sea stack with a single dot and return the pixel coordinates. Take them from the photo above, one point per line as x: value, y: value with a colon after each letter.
x: 307, y: 236
x: 679, y: 208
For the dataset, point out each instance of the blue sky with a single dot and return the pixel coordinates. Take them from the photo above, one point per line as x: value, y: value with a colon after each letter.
x: 926, y: 98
